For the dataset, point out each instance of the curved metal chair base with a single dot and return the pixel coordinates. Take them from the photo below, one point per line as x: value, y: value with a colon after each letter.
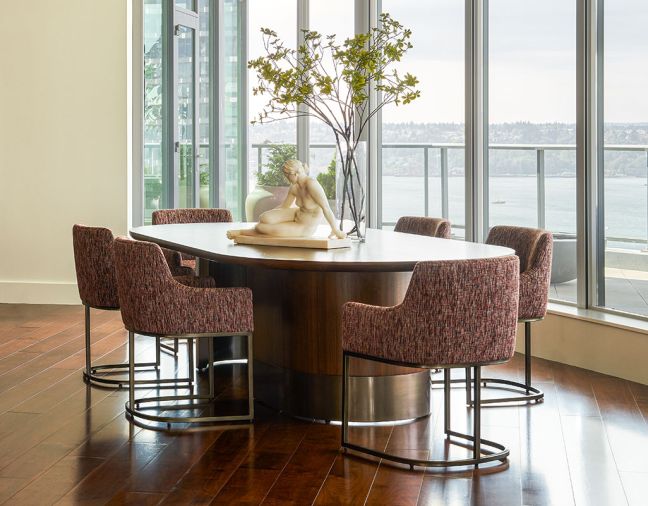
x: 530, y: 394
x: 534, y: 394
x: 134, y: 413
x: 92, y: 376
x: 206, y: 401
x: 493, y: 450
x: 102, y: 379
x: 487, y: 455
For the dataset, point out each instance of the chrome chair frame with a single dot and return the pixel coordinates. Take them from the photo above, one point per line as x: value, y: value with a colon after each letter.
x: 480, y: 455
x: 92, y: 374
x: 133, y: 411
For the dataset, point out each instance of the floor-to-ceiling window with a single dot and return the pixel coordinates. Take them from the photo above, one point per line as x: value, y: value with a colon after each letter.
x: 531, y: 89
x: 530, y: 98
x: 422, y: 152
x: 328, y: 17
x: 623, y: 157
x: 155, y: 180
x: 269, y: 144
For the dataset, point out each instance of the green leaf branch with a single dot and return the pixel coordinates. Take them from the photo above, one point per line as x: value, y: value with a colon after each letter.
x: 330, y: 81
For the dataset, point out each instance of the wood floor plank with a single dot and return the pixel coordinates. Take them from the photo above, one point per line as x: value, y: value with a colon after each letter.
x: 626, y: 428
x: 302, y: 478
x: 350, y: 478
x: 594, y: 475
x: 54, y: 483
x: 258, y: 472
x: 545, y: 469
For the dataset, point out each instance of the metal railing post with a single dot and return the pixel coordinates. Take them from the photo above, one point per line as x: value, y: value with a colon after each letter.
x: 444, y: 181
x: 540, y: 182
x: 646, y: 201
x: 426, y: 181
x: 259, y: 158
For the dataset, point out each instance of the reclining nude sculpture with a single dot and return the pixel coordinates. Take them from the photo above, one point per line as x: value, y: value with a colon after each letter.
x: 301, y: 220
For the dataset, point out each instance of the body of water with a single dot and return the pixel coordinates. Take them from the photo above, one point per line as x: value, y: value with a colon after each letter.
x: 513, y: 201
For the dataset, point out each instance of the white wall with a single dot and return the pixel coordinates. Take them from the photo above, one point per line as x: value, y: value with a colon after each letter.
x: 63, y: 138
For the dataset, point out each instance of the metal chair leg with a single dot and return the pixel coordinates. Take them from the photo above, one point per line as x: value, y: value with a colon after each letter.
x: 190, y: 355
x: 210, y: 345
x: 131, y: 370
x: 527, y: 356
x: 477, y: 417
x: 250, y: 371
x: 158, y: 357
x: 446, y: 401
x: 345, y: 398
x: 87, y: 341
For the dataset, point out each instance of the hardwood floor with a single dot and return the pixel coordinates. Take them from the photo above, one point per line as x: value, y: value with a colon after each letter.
x: 62, y: 442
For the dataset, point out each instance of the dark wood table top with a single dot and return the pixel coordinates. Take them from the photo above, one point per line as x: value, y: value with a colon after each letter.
x: 383, y: 250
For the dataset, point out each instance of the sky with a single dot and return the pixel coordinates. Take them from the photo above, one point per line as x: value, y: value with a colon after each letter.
x: 532, y: 55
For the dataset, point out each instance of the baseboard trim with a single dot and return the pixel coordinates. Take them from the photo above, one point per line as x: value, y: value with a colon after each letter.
x: 593, y: 345
x: 34, y: 292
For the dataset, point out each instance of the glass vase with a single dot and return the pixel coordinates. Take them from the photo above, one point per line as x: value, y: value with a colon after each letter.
x: 351, y: 189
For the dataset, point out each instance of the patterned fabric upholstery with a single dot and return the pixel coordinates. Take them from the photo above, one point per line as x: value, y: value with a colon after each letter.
x: 534, y: 247
x: 187, y: 264
x: 421, y: 225
x: 152, y: 302
x: 171, y: 216
x: 95, y: 266
x: 454, y: 313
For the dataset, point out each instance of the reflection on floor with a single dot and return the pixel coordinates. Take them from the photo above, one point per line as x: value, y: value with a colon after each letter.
x: 625, y: 290
x: 67, y: 443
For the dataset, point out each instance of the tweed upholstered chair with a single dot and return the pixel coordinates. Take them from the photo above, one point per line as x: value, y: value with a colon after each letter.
x: 95, y: 270
x: 173, y: 216
x: 534, y: 248
x: 154, y: 304
x: 187, y: 263
x: 423, y: 225
x: 454, y: 313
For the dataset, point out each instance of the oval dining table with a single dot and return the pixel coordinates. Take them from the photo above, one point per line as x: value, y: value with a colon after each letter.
x: 298, y: 295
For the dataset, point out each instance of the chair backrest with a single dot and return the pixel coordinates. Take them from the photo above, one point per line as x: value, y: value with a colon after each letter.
x: 171, y: 216
x: 95, y: 266
x: 462, y: 311
x: 143, y: 278
x: 534, y: 247
x: 423, y: 225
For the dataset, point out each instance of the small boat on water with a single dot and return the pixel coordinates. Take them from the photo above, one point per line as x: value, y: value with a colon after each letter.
x: 499, y: 201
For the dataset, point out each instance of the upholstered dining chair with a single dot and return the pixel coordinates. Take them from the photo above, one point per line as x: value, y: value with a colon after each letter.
x: 534, y: 248
x: 187, y: 263
x: 154, y: 304
x: 423, y: 225
x: 191, y: 215
x: 455, y: 313
x: 95, y: 270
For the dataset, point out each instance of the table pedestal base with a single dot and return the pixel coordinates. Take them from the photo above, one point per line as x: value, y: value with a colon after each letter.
x: 373, y: 398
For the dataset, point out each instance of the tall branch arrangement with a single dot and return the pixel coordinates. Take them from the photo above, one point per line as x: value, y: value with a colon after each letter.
x: 330, y: 81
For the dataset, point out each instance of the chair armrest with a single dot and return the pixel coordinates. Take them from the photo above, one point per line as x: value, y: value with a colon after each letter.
x: 189, y: 310
x: 534, y: 294
x: 369, y: 330
x: 174, y: 260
